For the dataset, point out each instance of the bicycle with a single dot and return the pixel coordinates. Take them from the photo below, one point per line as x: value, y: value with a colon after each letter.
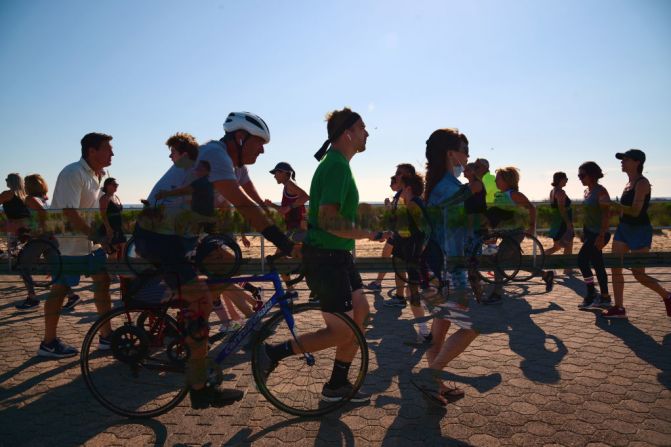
x: 142, y: 375
x: 37, y: 259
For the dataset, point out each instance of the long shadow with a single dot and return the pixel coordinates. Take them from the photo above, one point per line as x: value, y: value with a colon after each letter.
x: 572, y: 282
x: 336, y: 431
x: 643, y: 345
x: 6, y: 394
x: 526, y: 338
x: 66, y: 415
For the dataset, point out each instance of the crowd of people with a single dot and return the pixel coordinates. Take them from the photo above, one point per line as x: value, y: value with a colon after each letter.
x: 441, y: 217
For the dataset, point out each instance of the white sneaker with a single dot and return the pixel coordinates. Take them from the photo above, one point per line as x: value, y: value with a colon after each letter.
x: 490, y: 250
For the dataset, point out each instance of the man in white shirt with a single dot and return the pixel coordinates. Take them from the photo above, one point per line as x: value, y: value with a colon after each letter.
x: 76, y: 193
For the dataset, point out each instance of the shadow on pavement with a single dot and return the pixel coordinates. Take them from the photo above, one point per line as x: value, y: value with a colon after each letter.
x: 643, y: 345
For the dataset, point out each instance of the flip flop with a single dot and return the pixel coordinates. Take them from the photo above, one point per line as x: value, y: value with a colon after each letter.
x: 429, y: 396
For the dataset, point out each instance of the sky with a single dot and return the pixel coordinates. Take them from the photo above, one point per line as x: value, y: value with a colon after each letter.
x: 542, y: 85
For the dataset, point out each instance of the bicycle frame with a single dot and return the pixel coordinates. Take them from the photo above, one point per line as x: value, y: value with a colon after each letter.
x: 234, y: 342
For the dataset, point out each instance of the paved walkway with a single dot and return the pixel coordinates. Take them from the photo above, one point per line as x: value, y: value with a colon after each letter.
x: 542, y: 373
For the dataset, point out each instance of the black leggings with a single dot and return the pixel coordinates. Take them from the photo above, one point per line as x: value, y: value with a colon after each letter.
x: 589, y: 254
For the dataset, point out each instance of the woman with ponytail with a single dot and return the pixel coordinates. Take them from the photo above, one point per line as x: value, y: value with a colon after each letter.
x: 446, y: 155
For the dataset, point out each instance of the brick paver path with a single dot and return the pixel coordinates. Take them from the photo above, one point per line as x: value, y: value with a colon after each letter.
x: 542, y: 373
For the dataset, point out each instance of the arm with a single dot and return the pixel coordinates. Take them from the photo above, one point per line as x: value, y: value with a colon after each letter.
x: 103, y: 202
x: 6, y: 196
x: 183, y: 191
x: 604, y: 204
x: 251, y: 192
x: 522, y: 200
x: 331, y: 221
x: 458, y: 197
x: 302, y: 198
x: 272, y: 205
x: 642, y: 189
x: 561, y: 204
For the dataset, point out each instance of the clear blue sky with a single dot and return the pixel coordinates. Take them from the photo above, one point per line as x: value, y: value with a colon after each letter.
x: 541, y: 85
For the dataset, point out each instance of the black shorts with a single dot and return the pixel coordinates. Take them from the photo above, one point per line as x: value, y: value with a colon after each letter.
x: 332, y: 276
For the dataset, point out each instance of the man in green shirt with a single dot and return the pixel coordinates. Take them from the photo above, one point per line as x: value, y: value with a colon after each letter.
x: 328, y: 264
x: 488, y: 179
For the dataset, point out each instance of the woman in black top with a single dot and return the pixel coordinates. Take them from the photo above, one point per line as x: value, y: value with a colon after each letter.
x: 110, y: 211
x: 13, y: 202
x: 634, y: 232
x: 561, y: 225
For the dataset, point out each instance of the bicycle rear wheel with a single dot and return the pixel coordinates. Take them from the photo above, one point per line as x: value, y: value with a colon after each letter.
x: 532, y: 259
x: 40, y: 262
x: 496, y: 258
x: 143, y: 374
x: 295, y: 386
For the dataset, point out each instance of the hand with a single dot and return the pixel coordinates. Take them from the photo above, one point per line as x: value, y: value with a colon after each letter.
x: 296, y: 251
x: 387, y: 202
x: 284, y: 209
x: 268, y: 202
x: 109, y: 232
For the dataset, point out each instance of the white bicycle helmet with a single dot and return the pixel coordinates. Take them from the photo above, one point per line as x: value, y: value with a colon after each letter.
x: 248, y: 122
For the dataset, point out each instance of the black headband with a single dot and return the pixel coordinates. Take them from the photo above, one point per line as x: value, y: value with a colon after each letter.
x: 349, y: 122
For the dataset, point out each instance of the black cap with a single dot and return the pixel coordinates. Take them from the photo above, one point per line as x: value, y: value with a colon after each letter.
x: 282, y: 166
x: 634, y: 154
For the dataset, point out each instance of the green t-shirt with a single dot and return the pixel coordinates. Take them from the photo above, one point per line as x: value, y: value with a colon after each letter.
x: 332, y: 184
x: 489, y: 181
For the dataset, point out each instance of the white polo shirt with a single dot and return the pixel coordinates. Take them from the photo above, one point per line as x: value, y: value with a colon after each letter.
x: 77, y: 187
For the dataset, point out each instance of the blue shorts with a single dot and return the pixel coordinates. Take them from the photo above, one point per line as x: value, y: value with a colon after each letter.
x: 168, y: 253
x: 635, y: 236
x: 75, y: 266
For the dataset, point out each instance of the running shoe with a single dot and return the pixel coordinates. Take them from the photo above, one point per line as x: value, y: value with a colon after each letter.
x: 601, y: 302
x: 490, y: 250
x: 104, y: 343
x: 214, y: 397
x: 396, y: 301
x: 615, y: 312
x: 56, y: 349
x: 71, y: 302
x: 29, y: 305
x: 667, y: 303
x: 342, y: 392
x: 587, y: 302
x: 374, y: 286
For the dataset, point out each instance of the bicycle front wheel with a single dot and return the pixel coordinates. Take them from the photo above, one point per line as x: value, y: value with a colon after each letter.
x: 295, y: 386
x: 142, y: 372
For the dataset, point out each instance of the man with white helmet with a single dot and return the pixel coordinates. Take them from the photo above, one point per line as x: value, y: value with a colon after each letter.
x: 245, y: 136
x: 243, y: 141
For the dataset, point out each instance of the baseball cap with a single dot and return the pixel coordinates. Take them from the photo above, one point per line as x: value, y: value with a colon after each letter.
x: 634, y: 154
x: 282, y: 166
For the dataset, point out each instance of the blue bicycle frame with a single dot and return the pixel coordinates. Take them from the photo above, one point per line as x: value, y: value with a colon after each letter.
x: 234, y: 342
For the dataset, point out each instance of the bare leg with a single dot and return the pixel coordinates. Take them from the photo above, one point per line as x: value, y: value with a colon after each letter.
x: 620, y: 248
x: 101, y: 298
x: 52, y: 311
x: 647, y: 280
